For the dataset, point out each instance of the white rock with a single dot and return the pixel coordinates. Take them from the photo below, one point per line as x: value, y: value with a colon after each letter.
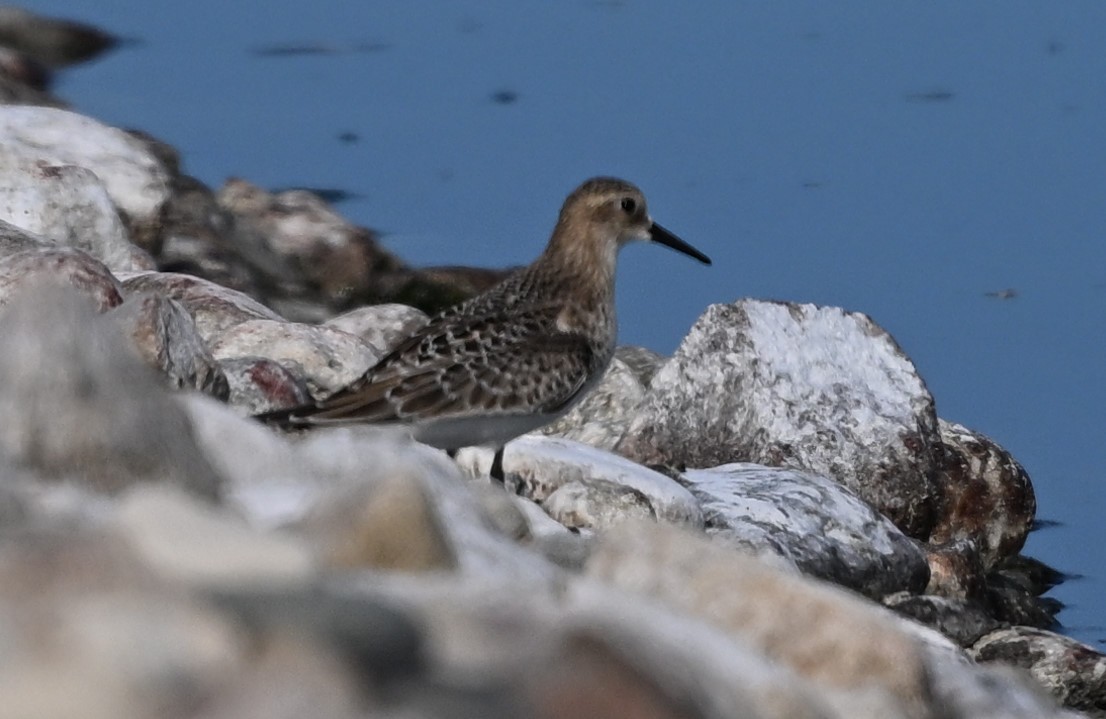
x: 268, y: 483
x: 366, y: 452
x: 596, y: 505
x: 642, y: 361
x: 540, y: 524
x: 135, y: 180
x: 257, y: 385
x: 541, y: 465
x: 328, y: 358
x: 67, y: 205
x: 381, y: 326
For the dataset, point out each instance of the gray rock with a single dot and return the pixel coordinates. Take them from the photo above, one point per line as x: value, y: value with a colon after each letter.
x: 960, y: 620
x: 165, y: 336
x: 381, y: 326
x: 810, y: 388
x: 811, y: 521
x: 588, y: 651
x: 214, y: 307
x: 1014, y: 592
x: 989, y: 498
x: 74, y: 268
x: 77, y: 405
x: 488, y: 630
x: 135, y: 179
x: 15, y: 239
x: 372, y: 645
x: 20, y: 68
x: 132, y: 654
x: 327, y: 358
x: 266, y: 481
x: 259, y: 384
x: 511, y: 515
x: 602, y: 417
x: 1072, y: 672
x: 538, y: 466
x: 67, y: 204
x: 290, y: 672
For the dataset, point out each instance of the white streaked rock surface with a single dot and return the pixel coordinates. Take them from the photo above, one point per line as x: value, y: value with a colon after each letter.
x: 794, y: 385
x: 813, y: 522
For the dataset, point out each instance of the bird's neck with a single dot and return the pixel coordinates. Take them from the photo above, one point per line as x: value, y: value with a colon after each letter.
x: 584, y: 276
x: 589, y: 261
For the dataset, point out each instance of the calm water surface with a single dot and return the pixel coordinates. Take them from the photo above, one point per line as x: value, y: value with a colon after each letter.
x: 897, y: 159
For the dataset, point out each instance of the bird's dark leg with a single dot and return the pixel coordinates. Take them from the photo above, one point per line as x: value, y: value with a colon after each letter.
x: 451, y: 453
x: 497, y: 466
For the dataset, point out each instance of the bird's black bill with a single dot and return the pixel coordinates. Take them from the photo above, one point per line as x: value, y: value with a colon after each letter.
x: 666, y: 238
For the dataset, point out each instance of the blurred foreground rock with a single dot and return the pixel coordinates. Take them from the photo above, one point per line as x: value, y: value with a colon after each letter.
x: 76, y: 406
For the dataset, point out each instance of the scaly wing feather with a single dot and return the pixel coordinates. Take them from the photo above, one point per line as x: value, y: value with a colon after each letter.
x: 460, y: 365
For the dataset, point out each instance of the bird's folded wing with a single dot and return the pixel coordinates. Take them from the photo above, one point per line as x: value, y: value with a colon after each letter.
x: 477, y: 365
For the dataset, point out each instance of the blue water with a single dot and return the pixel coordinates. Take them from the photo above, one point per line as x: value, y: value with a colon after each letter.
x: 900, y: 159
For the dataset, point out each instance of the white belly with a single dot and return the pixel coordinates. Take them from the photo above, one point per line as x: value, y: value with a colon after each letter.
x: 488, y: 431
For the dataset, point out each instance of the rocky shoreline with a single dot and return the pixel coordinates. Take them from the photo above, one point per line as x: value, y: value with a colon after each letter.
x: 774, y: 522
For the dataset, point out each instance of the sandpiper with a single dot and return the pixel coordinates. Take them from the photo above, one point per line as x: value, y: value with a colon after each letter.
x: 516, y: 357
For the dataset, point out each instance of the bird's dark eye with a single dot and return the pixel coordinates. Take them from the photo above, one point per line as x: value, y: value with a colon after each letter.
x: 629, y: 205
